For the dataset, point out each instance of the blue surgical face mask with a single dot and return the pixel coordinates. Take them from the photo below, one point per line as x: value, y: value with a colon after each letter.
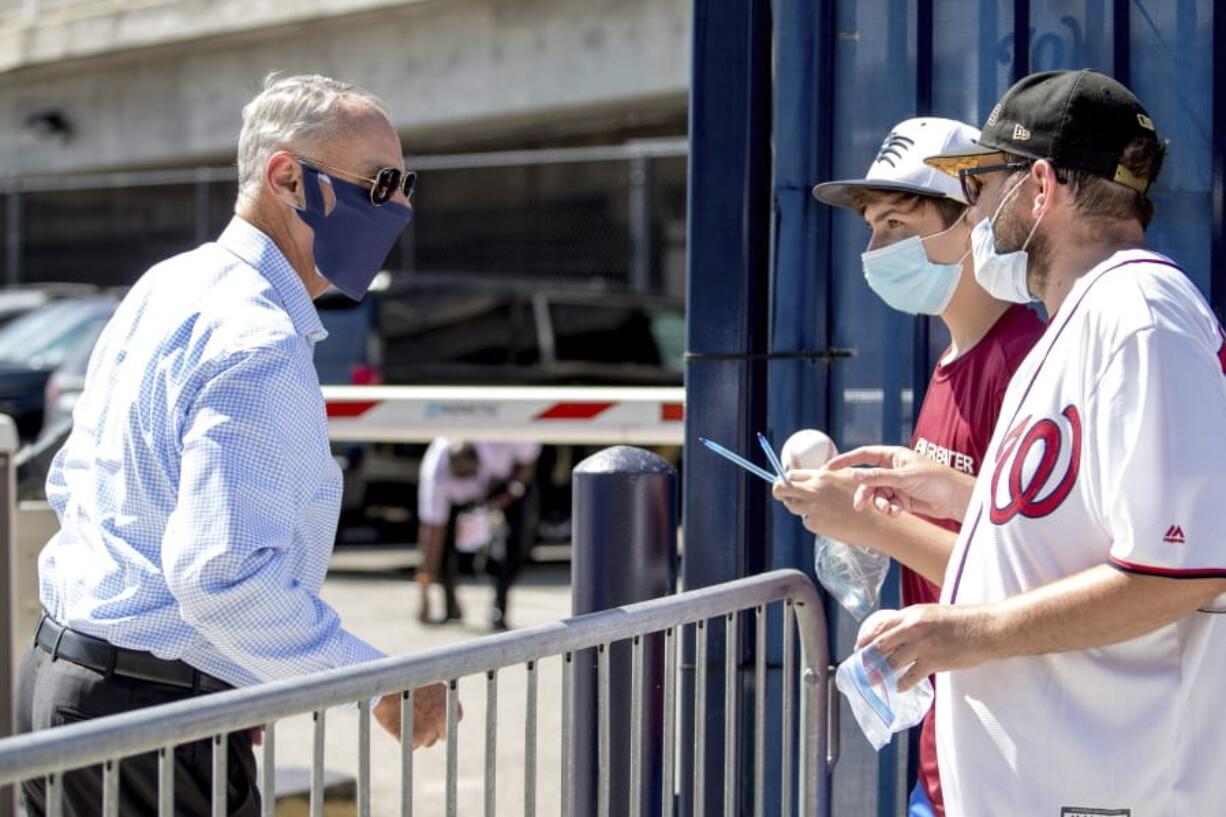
x: 352, y: 241
x: 1003, y: 275
x: 903, y: 276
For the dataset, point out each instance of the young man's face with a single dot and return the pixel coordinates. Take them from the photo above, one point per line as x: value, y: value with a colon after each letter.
x: 891, y: 218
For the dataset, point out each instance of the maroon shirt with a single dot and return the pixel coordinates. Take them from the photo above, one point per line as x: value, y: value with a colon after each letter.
x: 954, y: 427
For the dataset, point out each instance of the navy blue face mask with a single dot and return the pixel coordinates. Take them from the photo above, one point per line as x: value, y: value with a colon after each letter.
x: 352, y: 241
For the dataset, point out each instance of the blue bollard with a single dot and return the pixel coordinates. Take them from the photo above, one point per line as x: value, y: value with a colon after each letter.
x: 625, y: 551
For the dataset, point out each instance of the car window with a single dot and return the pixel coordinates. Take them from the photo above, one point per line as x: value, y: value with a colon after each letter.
x: 42, y: 338
x: 463, y: 331
x: 668, y: 329
x: 14, y: 304
x: 76, y: 362
x: 601, y: 333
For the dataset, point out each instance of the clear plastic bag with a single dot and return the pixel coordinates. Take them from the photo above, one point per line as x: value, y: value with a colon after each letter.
x: 853, y: 575
x: 871, y: 688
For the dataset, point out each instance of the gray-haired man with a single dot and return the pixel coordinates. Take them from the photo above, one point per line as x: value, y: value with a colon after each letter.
x: 197, y: 496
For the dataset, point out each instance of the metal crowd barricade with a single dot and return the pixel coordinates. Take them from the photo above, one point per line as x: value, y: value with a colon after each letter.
x: 106, y: 741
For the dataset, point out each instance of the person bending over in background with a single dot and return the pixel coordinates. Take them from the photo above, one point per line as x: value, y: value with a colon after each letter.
x: 457, y: 477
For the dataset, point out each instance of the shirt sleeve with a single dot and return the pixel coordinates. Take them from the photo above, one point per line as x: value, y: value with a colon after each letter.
x: 232, y: 544
x: 433, y: 504
x: 1160, y: 436
x: 526, y: 453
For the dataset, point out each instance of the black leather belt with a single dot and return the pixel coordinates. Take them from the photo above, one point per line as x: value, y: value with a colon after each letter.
x: 102, y: 656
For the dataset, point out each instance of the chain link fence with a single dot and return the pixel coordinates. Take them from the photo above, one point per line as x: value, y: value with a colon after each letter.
x: 604, y: 217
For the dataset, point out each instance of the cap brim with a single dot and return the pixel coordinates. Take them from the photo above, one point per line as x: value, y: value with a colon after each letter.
x: 838, y: 194
x: 951, y: 163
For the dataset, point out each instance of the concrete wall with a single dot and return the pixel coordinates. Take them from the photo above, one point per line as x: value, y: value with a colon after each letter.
x: 454, y: 74
x: 40, y: 31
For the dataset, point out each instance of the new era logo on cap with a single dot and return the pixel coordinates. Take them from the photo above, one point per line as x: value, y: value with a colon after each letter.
x: 1079, y: 120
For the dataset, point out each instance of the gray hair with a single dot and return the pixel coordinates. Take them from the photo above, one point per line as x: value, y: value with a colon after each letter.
x: 297, y: 113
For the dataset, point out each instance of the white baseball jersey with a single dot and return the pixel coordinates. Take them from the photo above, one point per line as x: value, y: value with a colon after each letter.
x: 438, y: 489
x: 1110, y: 448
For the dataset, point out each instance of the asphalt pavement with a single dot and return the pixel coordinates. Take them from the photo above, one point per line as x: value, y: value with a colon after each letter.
x: 377, y: 600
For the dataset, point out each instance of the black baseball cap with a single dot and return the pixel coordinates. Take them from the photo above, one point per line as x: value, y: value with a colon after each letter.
x: 1080, y: 120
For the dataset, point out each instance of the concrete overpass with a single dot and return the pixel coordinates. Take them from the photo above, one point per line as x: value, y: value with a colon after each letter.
x: 122, y: 84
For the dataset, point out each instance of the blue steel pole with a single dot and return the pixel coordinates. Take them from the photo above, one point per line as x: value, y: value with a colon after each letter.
x: 800, y: 279
x: 1217, y: 191
x: 625, y: 551
x: 727, y: 283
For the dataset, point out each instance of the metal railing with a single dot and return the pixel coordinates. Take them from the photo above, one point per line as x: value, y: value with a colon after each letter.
x: 106, y: 741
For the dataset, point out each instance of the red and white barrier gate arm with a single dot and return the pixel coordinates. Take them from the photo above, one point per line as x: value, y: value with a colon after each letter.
x: 544, y: 414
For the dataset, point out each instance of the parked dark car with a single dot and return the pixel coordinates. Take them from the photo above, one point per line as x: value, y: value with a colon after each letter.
x: 17, y: 301
x: 67, y: 382
x: 33, y: 345
x: 451, y: 334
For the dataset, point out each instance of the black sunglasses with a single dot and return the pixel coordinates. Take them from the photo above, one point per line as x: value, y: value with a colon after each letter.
x: 972, y: 187
x: 383, y: 185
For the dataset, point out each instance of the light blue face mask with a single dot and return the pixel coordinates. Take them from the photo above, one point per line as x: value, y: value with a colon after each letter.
x: 1003, y: 275
x: 903, y: 276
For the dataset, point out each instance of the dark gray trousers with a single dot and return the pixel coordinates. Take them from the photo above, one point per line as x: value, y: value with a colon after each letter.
x: 56, y: 693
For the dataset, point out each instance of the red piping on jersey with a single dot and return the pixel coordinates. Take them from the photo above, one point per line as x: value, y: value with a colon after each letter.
x: 953, y: 595
x: 1168, y: 572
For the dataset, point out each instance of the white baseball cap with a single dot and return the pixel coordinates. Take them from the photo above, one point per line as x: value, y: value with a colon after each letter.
x: 900, y: 162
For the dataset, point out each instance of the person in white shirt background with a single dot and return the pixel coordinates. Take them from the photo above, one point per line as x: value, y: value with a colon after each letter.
x: 458, y: 476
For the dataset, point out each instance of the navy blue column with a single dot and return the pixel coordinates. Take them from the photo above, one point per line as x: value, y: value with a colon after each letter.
x: 625, y: 551
x: 799, y: 374
x: 1217, y: 192
x: 727, y: 310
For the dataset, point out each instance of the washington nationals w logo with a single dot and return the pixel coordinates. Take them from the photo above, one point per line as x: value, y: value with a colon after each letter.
x: 1041, y: 461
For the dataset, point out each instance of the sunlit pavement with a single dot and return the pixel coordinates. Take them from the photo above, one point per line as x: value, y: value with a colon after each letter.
x: 379, y: 604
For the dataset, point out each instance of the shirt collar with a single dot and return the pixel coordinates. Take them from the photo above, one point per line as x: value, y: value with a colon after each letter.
x: 257, y: 249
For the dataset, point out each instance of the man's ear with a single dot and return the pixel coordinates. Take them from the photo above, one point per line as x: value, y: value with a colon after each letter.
x: 283, y: 178
x: 1044, y: 176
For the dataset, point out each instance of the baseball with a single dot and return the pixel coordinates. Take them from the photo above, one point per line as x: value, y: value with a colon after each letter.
x: 808, y: 448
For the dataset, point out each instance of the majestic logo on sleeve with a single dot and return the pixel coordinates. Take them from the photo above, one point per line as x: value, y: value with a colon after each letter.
x: 1036, y: 467
x: 894, y: 146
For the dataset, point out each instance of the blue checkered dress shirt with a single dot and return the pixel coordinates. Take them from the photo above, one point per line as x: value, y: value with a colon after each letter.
x: 197, y: 495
